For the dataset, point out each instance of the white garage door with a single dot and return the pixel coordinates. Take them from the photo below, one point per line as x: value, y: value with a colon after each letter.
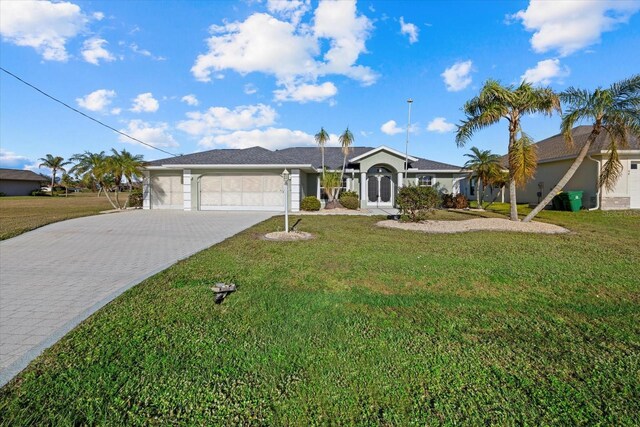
x: 166, y: 192
x: 241, y: 192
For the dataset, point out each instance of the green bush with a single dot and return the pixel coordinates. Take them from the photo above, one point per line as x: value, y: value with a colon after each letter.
x: 2, y: 194
x: 310, y: 203
x: 350, y: 202
x: 417, y: 202
x: 458, y: 201
x: 348, y: 194
x: 39, y: 193
x: 135, y: 198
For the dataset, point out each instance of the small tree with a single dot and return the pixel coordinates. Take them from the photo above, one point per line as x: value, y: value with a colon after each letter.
x: 483, y: 166
x: 56, y: 164
x: 416, y: 202
x: 322, y: 137
x: 346, y: 141
x: 66, y: 181
x: 331, y: 182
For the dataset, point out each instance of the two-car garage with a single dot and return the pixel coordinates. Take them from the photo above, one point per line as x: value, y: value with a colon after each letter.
x: 218, y: 191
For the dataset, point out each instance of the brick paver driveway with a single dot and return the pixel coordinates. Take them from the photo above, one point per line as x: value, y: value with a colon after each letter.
x: 54, y: 277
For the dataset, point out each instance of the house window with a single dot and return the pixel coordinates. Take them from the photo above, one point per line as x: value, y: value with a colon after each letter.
x: 634, y: 166
x: 425, y: 181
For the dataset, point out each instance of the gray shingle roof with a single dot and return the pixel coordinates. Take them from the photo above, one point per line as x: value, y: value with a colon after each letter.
x: 294, y: 155
x: 555, y: 146
x: 20, y: 175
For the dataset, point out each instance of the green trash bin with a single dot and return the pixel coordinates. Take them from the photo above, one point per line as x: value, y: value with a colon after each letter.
x: 573, y: 200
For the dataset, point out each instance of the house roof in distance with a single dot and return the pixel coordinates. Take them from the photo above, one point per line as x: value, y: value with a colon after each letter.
x: 555, y: 147
x: 20, y: 175
x: 294, y: 155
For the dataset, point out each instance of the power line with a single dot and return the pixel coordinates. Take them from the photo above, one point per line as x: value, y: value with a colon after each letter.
x: 86, y: 115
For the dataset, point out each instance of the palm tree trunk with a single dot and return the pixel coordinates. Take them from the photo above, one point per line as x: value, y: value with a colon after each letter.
x: 495, y: 197
x: 513, y: 129
x: 478, y: 195
x: 322, y: 151
x: 106, y: 193
x: 567, y: 176
x: 53, y: 179
x: 344, y: 165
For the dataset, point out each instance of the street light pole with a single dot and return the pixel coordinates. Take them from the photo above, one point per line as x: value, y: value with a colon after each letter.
x: 406, y: 149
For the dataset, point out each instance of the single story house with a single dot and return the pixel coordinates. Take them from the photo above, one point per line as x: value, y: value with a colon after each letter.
x: 16, y: 182
x: 251, y: 178
x: 555, y: 157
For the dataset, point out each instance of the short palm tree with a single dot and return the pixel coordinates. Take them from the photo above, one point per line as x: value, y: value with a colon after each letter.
x: 496, y: 102
x: 483, y: 166
x: 614, y: 110
x: 322, y: 138
x: 86, y: 164
x: 56, y: 164
x: 346, y: 141
x: 127, y: 166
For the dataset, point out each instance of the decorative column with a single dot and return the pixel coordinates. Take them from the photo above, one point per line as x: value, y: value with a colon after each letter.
x: 186, y: 189
x: 400, y: 180
x: 295, y: 190
x: 146, y: 190
x: 363, y: 189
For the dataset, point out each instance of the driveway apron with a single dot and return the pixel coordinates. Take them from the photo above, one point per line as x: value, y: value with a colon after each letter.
x: 54, y: 277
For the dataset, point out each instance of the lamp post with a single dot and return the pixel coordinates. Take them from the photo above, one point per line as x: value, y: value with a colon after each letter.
x: 285, y: 178
x: 406, y: 148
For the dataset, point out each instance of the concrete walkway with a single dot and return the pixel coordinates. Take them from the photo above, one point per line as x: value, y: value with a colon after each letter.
x: 56, y: 276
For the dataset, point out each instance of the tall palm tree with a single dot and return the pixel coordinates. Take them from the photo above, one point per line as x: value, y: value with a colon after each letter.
x: 322, y: 138
x: 496, y: 102
x: 614, y: 110
x: 56, y: 164
x: 484, y: 166
x: 127, y: 166
x: 86, y: 165
x: 346, y: 141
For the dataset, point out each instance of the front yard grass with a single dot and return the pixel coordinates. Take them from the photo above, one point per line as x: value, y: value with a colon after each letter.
x: 362, y: 325
x: 22, y: 214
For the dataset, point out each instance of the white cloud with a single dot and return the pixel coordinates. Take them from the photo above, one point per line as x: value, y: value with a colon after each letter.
x: 291, y: 10
x: 306, y: 92
x: 97, y: 100
x: 457, y: 77
x: 11, y: 160
x: 145, y: 102
x: 156, y: 134
x: 42, y: 25
x: 93, y: 51
x: 270, y: 138
x: 144, y: 52
x: 98, y: 16
x: 255, y: 45
x: 250, y: 89
x: 219, y: 120
x: 545, y: 71
x: 391, y: 128
x: 440, y: 125
x: 190, y: 100
x: 116, y: 111
x: 568, y: 26
x: 409, y: 29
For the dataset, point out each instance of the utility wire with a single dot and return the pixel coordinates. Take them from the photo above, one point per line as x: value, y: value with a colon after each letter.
x: 86, y: 115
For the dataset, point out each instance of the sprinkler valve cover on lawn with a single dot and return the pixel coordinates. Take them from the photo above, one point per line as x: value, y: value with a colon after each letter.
x: 222, y: 290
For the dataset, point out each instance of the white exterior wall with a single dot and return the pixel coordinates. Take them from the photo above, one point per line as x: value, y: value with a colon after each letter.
x: 295, y: 190
x: 146, y: 190
x: 186, y: 192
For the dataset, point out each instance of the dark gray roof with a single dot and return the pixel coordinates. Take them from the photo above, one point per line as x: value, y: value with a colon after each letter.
x: 295, y: 156
x: 20, y: 175
x: 555, y: 147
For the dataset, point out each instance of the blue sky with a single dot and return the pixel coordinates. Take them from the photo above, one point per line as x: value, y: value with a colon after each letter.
x: 192, y: 76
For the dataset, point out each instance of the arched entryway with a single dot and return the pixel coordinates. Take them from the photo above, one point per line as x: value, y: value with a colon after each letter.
x: 381, y: 186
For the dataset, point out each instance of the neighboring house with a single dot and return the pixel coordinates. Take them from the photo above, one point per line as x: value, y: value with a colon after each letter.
x: 250, y: 179
x: 16, y: 182
x: 555, y: 157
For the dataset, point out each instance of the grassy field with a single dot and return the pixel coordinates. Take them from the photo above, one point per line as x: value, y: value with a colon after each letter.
x: 21, y: 214
x: 363, y: 326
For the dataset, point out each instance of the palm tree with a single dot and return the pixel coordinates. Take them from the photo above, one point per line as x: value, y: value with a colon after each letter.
x: 86, y: 165
x: 322, y: 138
x: 67, y: 181
x: 496, y: 102
x: 484, y: 166
x: 56, y: 164
x: 346, y: 141
x: 523, y: 159
x: 127, y: 166
x: 616, y: 111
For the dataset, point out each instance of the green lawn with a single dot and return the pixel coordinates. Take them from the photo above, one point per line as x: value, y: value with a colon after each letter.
x: 365, y: 326
x: 22, y: 214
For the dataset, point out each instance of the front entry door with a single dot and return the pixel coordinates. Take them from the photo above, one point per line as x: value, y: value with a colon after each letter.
x: 380, y: 190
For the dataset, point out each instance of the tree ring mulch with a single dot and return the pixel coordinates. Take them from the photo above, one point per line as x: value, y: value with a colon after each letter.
x: 292, y: 236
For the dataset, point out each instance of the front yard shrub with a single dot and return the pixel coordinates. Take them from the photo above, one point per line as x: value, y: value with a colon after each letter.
x: 457, y: 201
x: 39, y: 193
x: 350, y: 202
x: 348, y: 194
x: 417, y: 202
x: 135, y: 198
x: 310, y: 203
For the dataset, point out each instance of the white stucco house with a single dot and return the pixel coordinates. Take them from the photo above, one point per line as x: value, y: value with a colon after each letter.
x: 250, y: 179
